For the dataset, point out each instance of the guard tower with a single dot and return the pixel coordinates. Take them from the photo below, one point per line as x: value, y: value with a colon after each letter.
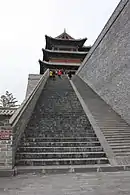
x: 63, y: 52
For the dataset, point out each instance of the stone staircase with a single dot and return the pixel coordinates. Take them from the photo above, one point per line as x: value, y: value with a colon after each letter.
x: 115, y: 130
x: 59, y: 133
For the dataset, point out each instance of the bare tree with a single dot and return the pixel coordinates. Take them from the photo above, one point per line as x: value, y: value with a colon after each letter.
x: 8, y: 101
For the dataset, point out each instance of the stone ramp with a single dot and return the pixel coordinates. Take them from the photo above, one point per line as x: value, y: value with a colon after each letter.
x: 115, y: 130
x: 59, y: 133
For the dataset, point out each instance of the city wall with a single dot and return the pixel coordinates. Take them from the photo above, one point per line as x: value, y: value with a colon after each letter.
x: 106, y: 69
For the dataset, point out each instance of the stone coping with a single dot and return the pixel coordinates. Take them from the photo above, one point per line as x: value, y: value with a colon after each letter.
x: 62, y: 169
x: 27, y: 100
x: 7, y: 172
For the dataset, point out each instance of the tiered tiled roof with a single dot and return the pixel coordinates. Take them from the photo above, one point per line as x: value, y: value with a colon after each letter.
x: 58, y: 41
x: 63, y: 52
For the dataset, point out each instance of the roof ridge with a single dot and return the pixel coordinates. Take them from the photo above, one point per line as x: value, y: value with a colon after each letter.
x: 64, y: 35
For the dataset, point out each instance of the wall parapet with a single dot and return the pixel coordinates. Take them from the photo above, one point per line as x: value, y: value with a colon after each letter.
x: 11, y: 133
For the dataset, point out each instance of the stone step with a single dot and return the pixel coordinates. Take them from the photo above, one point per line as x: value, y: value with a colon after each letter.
x: 54, y: 113
x: 55, y: 155
x: 114, y: 147
x: 115, y: 135
x: 119, y: 144
x: 61, y: 144
x: 118, y: 136
x: 120, y: 150
x: 71, y: 161
x: 116, y: 139
x: 39, y: 133
x: 127, y: 154
x: 63, y: 134
x: 112, y: 128
x: 60, y: 149
x: 106, y: 115
x: 110, y: 118
x: 65, y: 169
x: 112, y: 123
x: 61, y: 139
x: 116, y: 132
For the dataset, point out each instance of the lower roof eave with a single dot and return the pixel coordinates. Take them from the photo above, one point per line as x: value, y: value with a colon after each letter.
x: 44, y: 63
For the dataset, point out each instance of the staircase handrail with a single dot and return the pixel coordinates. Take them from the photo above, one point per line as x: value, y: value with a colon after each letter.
x: 27, y: 100
x: 18, y: 122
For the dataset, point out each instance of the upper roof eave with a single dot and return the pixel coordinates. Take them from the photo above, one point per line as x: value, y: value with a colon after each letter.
x: 71, y: 40
x: 55, y: 41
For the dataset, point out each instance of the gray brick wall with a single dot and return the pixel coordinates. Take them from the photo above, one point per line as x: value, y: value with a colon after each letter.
x: 21, y: 117
x: 32, y: 82
x: 5, y: 147
x: 106, y: 69
x: 11, y: 132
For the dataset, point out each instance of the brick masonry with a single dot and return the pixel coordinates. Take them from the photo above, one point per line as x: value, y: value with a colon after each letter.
x: 5, y: 147
x: 21, y: 117
x: 32, y: 82
x: 106, y: 68
x: 11, y: 132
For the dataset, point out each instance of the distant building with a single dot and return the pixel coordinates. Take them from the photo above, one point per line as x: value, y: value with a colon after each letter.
x: 63, y: 52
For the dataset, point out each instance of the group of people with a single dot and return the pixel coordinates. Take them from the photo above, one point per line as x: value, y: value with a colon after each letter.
x: 59, y: 73
x: 53, y: 74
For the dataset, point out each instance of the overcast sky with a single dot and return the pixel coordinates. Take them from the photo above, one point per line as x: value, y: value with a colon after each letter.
x: 24, y: 23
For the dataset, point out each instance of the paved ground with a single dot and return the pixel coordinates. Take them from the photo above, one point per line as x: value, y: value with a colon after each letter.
x: 68, y: 184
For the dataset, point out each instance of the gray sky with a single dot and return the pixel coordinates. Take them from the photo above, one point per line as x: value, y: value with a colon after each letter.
x: 24, y: 23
